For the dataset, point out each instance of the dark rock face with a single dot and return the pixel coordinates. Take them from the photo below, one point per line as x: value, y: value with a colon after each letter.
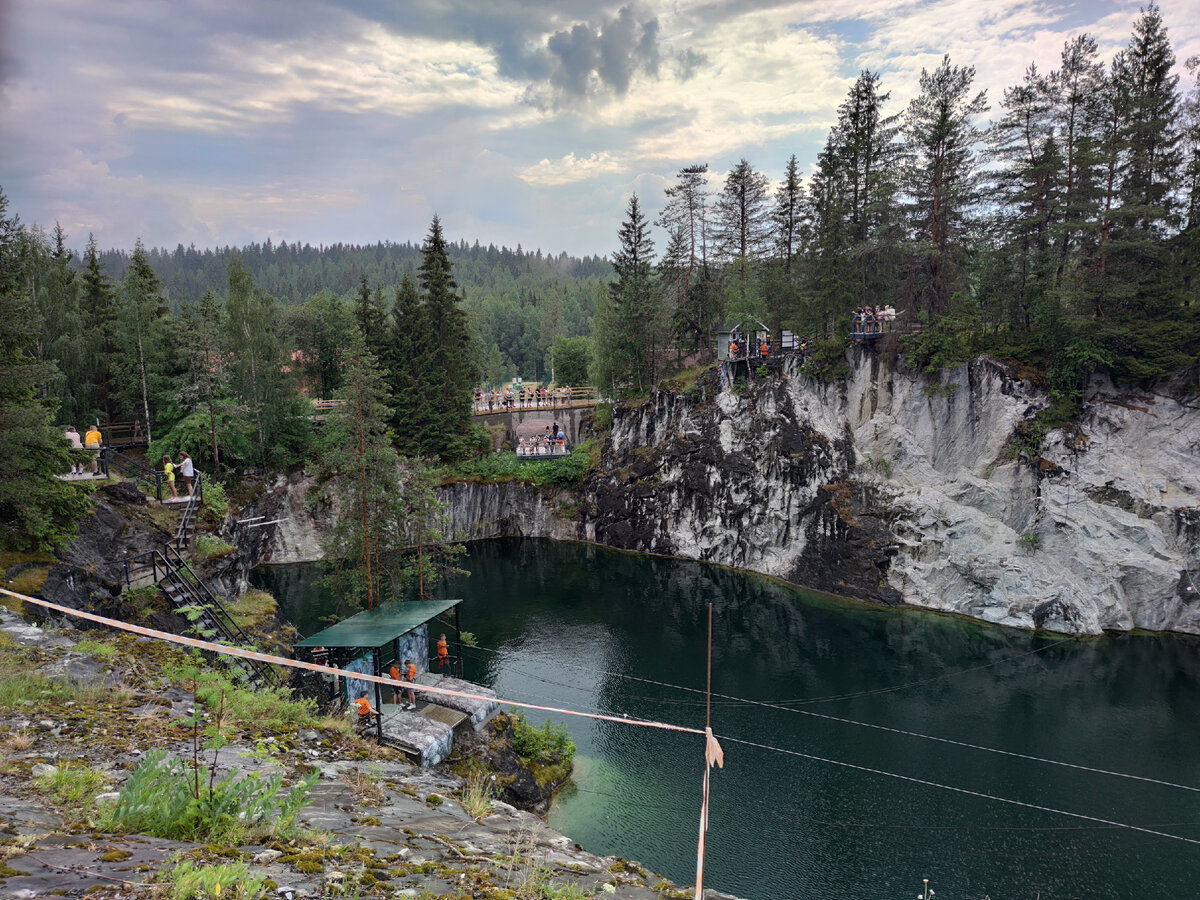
x: 526, y: 785
x: 744, y: 481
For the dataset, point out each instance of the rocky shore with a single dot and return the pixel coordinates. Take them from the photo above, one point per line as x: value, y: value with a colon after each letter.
x: 80, y: 709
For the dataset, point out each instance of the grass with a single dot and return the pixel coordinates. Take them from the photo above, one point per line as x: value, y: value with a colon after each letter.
x: 98, y: 649
x: 193, y: 881
x: 253, y: 609
x: 73, y: 789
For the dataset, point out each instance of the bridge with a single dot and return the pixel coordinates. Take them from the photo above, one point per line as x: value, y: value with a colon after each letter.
x: 527, y: 413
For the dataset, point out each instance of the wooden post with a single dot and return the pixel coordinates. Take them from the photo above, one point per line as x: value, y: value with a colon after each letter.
x: 376, y: 656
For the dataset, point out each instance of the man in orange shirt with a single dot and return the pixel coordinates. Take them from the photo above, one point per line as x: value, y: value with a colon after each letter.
x: 443, y: 653
x: 394, y: 672
x: 363, y: 705
x: 411, y: 676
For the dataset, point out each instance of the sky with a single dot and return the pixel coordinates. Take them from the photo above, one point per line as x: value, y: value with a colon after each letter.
x: 530, y: 122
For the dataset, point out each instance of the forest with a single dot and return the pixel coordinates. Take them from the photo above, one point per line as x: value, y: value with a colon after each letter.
x: 1062, y: 234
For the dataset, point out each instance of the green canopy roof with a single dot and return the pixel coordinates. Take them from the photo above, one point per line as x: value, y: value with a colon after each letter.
x: 376, y: 627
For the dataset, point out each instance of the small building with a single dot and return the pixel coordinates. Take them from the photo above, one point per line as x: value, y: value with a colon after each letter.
x: 742, y: 339
x: 375, y: 640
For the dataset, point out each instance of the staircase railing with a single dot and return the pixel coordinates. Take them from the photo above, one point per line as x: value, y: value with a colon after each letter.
x: 190, y: 511
x: 185, y: 590
x: 133, y: 469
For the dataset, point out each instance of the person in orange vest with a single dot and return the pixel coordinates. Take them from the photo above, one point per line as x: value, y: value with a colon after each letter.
x: 394, y: 672
x: 764, y: 350
x: 410, y: 675
x: 443, y: 651
x: 363, y: 706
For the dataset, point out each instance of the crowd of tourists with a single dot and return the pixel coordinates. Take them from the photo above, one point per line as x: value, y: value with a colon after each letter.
x: 551, y: 442
x: 539, y: 397
x: 874, y: 319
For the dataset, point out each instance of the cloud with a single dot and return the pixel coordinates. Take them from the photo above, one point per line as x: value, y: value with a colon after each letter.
x: 570, y: 169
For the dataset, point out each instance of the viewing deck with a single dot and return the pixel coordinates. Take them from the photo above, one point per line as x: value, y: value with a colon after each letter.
x: 427, y: 733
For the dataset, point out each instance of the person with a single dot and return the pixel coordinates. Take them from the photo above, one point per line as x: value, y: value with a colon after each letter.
x: 187, y: 470
x: 410, y: 675
x: 169, y: 471
x: 764, y: 350
x: 76, y: 444
x: 443, y: 653
x: 733, y: 349
x: 363, y: 707
x: 92, y: 440
x: 394, y: 673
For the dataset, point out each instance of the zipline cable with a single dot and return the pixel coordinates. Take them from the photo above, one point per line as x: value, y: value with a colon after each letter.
x: 887, y: 728
x: 958, y: 790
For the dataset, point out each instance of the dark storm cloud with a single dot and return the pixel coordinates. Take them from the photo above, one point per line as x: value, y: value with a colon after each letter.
x: 563, y: 50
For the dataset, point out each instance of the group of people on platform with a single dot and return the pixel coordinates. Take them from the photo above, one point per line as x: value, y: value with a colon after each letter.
x: 742, y: 348
x: 540, y: 397
x: 406, y: 697
x: 874, y: 319
x: 551, y: 442
x: 90, y: 441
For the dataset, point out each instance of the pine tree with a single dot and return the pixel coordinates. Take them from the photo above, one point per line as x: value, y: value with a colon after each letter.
x: 449, y: 376
x: 941, y: 180
x: 631, y: 321
x: 362, y: 469
x: 406, y: 366
x: 140, y: 338
x: 686, y: 215
x: 37, y: 510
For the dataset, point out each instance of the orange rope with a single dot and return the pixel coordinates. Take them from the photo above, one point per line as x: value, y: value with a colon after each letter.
x: 314, y: 667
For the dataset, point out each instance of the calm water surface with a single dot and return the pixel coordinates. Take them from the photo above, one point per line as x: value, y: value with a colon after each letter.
x: 593, y: 629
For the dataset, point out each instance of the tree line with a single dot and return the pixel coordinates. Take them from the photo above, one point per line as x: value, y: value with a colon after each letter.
x: 1064, y: 233
x: 518, y: 303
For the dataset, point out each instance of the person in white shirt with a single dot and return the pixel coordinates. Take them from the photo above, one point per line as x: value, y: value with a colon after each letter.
x: 187, y: 470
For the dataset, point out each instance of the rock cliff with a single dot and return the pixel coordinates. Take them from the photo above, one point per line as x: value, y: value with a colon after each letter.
x: 890, y: 487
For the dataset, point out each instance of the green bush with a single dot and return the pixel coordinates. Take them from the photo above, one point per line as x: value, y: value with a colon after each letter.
x: 567, y: 470
x: 165, y: 797
x: 1030, y: 540
x: 532, y: 743
x: 209, y: 546
x: 216, y: 501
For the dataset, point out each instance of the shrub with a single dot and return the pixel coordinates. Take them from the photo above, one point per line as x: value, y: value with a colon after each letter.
x: 1030, y: 540
x: 537, y: 743
x: 164, y: 797
x: 209, y: 546
x: 216, y: 501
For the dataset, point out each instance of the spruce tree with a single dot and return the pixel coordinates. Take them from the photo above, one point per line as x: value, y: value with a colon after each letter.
x: 140, y: 339
x: 448, y: 378
x: 37, y: 510
x: 362, y: 470
x: 942, y: 182
x: 405, y: 365
x: 631, y: 320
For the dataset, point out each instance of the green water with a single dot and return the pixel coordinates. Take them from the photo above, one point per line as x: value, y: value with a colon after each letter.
x: 576, y: 626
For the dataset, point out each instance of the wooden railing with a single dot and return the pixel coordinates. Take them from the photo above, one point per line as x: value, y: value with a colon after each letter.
x: 490, y: 402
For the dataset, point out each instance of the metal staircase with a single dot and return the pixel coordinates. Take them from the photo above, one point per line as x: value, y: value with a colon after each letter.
x: 188, y: 595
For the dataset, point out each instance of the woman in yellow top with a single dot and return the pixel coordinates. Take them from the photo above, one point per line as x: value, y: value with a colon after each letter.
x: 92, y: 440
x: 169, y: 471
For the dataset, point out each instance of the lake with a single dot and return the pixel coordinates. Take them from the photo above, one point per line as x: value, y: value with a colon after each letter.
x: 598, y: 630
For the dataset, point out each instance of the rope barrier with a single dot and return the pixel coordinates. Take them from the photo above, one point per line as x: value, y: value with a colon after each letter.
x: 226, y: 650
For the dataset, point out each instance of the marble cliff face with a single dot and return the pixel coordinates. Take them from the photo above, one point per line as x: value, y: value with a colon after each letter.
x: 889, y: 487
